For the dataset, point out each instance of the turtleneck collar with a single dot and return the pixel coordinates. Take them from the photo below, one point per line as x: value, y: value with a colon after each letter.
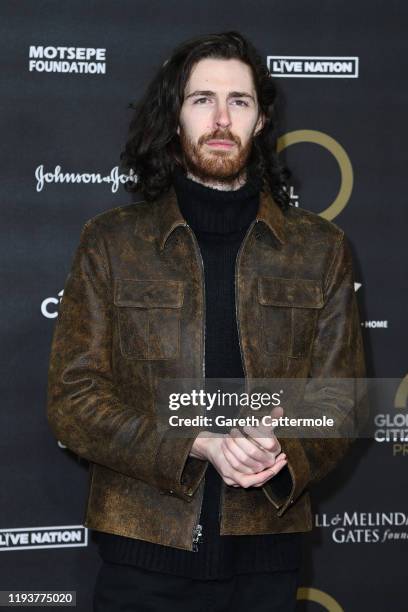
x: 211, y: 210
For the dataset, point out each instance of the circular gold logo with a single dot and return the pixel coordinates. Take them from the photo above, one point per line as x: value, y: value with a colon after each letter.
x: 340, y: 155
x: 319, y: 597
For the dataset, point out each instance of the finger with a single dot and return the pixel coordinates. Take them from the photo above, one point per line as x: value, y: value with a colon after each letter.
x: 269, y: 444
x: 261, y: 477
x: 282, y: 461
x: 279, y: 465
x: 230, y: 482
x: 246, y: 453
x: 258, y: 431
x: 277, y: 412
x: 276, y: 469
x: 235, y: 462
x: 248, y: 444
x: 268, y: 459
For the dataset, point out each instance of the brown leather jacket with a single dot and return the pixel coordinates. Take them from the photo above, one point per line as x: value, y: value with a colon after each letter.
x: 133, y: 311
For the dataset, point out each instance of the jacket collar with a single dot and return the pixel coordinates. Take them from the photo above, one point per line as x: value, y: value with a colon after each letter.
x: 170, y: 217
x: 271, y: 215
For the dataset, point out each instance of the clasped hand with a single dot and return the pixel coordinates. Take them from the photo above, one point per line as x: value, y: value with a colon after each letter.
x: 248, y: 461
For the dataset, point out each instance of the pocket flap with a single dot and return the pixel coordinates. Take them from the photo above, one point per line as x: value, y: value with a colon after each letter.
x: 148, y: 293
x: 294, y: 292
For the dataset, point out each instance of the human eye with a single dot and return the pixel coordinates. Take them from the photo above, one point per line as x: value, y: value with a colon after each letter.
x: 199, y: 100
x: 242, y: 102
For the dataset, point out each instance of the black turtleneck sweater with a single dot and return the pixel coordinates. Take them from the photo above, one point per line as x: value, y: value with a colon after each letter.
x: 219, y: 220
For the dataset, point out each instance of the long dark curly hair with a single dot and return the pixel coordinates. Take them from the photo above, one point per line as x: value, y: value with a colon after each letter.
x: 153, y: 143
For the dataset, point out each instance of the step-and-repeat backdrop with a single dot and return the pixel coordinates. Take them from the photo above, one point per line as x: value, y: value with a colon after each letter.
x: 68, y: 73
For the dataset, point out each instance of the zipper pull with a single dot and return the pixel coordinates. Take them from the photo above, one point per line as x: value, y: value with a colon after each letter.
x: 197, y: 534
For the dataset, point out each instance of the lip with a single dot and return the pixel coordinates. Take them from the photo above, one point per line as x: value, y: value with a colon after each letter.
x: 221, y: 143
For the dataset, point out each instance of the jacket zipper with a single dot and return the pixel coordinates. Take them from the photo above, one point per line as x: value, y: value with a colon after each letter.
x: 239, y: 338
x: 243, y: 360
x: 198, y: 529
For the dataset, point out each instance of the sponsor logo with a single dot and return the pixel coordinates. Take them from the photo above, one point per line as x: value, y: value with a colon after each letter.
x: 320, y: 597
x: 375, y: 324
x: 340, y: 155
x: 49, y: 306
x: 76, y: 60
x: 25, y: 538
x: 294, y: 198
x: 365, y: 527
x: 392, y: 426
x: 94, y: 178
x: 303, y: 66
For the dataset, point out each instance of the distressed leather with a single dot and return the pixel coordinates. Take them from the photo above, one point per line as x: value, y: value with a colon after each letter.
x: 133, y: 311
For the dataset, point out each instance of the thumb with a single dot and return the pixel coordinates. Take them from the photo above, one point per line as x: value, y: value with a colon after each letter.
x: 277, y: 412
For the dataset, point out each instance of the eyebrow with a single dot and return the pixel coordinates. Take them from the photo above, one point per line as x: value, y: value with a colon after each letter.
x: 211, y: 94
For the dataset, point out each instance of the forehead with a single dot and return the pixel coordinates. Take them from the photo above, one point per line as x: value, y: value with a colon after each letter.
x: 220, y: 75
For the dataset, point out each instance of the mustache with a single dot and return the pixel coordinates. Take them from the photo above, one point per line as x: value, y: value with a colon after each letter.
x: 220, y: 136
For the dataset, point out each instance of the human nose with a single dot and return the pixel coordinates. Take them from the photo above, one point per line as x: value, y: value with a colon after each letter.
x: 222, y: 116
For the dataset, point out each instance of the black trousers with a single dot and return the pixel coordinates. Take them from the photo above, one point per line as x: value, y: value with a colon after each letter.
x: 125, y: 588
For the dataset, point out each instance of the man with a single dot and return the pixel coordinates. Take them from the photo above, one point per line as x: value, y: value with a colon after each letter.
x: 213, y: 275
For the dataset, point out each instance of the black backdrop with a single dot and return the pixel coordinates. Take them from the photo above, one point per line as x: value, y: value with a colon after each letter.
x: 341, y: 69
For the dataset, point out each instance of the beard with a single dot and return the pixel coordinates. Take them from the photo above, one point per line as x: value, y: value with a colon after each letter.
x: 224, y: 166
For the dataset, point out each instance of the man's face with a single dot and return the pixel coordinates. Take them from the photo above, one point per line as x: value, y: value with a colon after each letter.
x: 220, y: 104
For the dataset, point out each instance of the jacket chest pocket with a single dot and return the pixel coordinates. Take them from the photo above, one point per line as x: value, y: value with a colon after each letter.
x: 148, y: 314
x: 289, y: 310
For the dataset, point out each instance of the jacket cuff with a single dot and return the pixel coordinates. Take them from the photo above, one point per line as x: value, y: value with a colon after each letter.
x: 297, y: 474
x: 177, y: 473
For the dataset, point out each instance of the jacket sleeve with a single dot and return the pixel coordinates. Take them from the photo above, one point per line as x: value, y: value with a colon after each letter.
x: 84, y: 409
x: 337, y: 353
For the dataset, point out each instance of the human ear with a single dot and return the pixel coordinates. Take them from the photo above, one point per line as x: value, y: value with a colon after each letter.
x: 259, y: 124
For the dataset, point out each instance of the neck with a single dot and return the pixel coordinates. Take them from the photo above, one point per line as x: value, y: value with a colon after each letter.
x: 208, y: 209
x: 220, y: 184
